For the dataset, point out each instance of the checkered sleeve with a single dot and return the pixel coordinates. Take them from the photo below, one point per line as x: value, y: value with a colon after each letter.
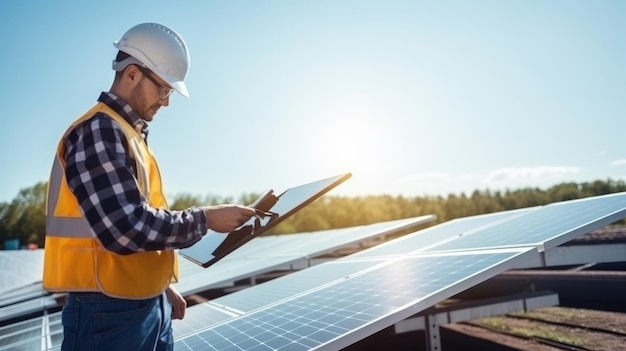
x: 102, y: 177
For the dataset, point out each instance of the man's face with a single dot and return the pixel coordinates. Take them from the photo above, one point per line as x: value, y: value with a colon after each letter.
x: 145, y: 98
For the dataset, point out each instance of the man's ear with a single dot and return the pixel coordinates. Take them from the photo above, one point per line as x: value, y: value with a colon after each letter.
x: 131, y: 74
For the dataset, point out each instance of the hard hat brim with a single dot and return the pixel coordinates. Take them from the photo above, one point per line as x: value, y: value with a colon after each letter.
x: 181, y: 88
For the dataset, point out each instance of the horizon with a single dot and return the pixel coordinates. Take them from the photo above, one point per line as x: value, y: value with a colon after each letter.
x: 468, y: 193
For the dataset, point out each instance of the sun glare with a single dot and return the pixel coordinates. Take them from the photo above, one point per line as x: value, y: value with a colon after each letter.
x: 354, y: 145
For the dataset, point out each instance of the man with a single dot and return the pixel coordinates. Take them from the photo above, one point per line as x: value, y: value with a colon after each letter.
x: 110, y: 237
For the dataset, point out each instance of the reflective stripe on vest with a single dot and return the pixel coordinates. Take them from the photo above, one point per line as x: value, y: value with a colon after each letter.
x: 76, y: 227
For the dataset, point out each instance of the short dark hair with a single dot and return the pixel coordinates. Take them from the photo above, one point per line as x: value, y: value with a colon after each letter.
x: 121, y: 56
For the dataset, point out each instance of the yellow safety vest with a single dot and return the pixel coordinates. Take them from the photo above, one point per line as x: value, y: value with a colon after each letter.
x: 75, y: 260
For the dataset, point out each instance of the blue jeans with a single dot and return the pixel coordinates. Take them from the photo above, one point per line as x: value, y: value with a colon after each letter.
x: 94, y: 322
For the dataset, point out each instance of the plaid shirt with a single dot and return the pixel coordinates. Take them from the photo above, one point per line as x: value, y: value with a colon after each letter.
x: 102, y: 177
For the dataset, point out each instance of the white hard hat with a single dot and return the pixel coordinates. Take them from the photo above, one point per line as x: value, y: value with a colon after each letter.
x: 158, y: 48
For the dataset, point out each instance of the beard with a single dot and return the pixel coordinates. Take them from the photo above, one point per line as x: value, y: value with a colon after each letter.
x: 140, y: 105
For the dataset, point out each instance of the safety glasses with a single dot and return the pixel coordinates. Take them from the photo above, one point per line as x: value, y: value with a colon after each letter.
x: 164, y: 92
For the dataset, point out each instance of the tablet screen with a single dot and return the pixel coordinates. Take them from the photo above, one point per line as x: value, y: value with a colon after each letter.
x: 215, y: 246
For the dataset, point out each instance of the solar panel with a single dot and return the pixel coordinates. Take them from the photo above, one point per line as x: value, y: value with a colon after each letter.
x: 35, y: 334
x: 545, y: 227
x: 335, y: 304
x: 337, y: 314
x: 20, y: 268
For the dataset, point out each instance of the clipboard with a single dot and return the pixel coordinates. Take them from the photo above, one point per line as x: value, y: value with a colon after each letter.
x: 272, y: 210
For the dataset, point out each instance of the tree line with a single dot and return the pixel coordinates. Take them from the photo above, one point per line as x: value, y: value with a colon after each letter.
x: 23, y: 219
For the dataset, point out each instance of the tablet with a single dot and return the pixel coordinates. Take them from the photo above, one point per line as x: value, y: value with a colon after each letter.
x: 272, y: 210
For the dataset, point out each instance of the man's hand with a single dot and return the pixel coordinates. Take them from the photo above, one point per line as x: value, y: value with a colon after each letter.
x: 177, y: 301
x: 226, y: 218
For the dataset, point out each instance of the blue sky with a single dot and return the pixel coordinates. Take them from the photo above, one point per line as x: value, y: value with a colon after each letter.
x: 412, y: 97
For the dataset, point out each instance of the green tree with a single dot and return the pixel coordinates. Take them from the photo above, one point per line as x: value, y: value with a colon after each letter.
x: 564, y: 192
x: 184, y: 201
x: 24, y: 218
